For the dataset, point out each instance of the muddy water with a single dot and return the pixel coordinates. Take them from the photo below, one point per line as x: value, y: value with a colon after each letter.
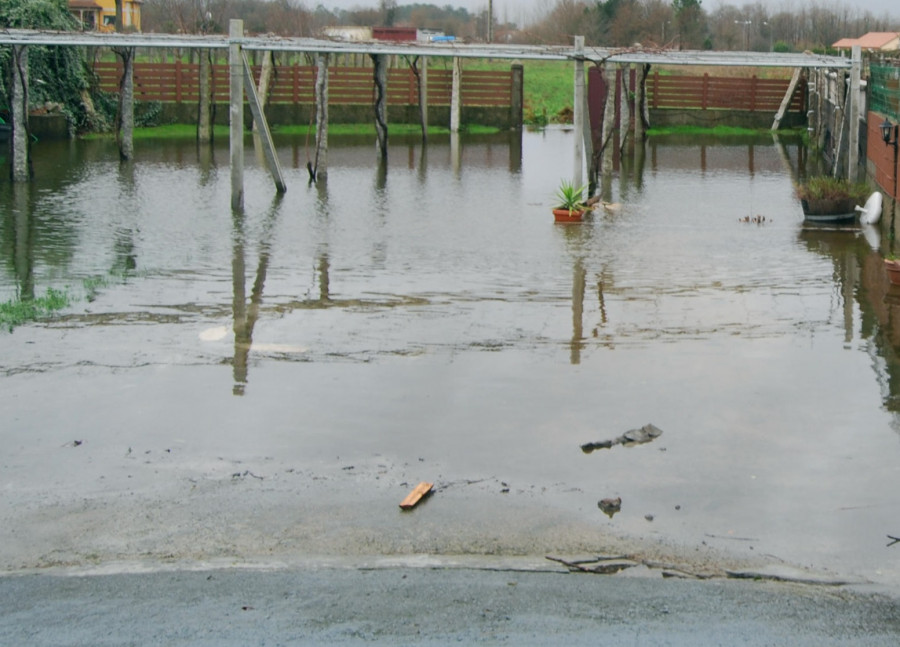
x: 428, y: 321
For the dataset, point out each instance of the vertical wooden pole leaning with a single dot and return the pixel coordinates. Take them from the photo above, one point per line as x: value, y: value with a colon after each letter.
x: 380, y: 79
x: 321, y: 163
x: 21, y: 161
x: 578, y: 118
x: 125, y: 118
x: 853, y: 139
x: 455, y: 95
x: 236, y: 112
x: 265, y: 135
x: 204, y: 109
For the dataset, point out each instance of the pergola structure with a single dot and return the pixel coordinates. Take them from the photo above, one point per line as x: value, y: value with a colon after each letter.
x: 236, y: 42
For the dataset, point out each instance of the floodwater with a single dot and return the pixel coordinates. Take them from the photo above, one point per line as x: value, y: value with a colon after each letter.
x: 430, y: 314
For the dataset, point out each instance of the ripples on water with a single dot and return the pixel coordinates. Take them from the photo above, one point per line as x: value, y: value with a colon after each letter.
x: 757, y: 346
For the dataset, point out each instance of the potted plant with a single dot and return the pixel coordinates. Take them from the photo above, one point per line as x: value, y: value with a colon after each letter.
x: 827, y: 198
x: 570, y: 206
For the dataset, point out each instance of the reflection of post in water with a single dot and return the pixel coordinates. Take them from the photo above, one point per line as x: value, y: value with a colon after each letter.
x: 515, y: 150
x: 123, y: 246
x: 246, y: 314
x: 422, y: 171
x: 206, y: 160
x: 454, y: 153
x: 23, y: 252
x: 578, y: 283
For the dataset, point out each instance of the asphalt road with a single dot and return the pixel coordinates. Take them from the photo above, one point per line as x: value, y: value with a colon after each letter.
x: 431, y: 606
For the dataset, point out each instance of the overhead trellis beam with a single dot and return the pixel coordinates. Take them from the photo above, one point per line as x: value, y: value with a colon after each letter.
x: 447, y: 49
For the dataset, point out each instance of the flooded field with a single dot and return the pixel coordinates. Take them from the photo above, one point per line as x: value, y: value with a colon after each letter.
x: 429, y: 321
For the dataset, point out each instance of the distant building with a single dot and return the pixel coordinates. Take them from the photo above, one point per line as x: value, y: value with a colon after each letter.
x: 100, y: 15
x: 395, y: 34
x: 348, y: 33
x: 874, y: 41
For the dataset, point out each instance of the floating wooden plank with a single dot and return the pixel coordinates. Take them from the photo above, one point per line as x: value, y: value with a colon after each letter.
x: 413, y: 498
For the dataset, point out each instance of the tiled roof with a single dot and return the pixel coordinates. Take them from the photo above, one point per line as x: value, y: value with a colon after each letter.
x: 872, y: 40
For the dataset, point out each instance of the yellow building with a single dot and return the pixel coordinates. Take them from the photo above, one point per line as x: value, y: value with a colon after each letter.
x: 100, y: 15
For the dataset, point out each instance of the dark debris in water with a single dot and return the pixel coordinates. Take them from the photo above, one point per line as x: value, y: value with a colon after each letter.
x: 630, y: 438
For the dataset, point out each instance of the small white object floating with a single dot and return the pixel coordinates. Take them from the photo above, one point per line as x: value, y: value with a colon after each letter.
x: 870, y: 213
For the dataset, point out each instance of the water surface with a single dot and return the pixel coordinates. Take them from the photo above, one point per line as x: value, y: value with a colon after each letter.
x: 430, y: 310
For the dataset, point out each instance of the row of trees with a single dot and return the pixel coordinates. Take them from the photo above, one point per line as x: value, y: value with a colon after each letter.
x: 613, y: 23
x: 688, y: 25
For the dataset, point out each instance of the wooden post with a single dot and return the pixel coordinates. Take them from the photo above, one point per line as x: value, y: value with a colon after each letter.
x: 578, y: 117
x: 423, y: 98
x: 380, y: 77
x: 236, y: 112
x: 204, y: 108
x: 609, y: 117
x: 853, y: 134
x: 786, y: 100
x: 265, y: 78
x: 321, y: 164
x: 624, y: 107
x: 455, y: 95
x: 259, y: 118
x: 640, y: 76
x: 517, y: 92
x: 125, y: 117
x: 21, y: 160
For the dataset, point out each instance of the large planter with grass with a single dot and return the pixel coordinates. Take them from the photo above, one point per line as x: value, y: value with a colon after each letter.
x: 829, y: 199
x: 828, y: 210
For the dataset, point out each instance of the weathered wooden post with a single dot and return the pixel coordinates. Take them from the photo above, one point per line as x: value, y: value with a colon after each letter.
x: 204, y: 108
x: 578, y: 117
x: 853, y: 139
x: 380, y: 78
x: 236, y: 112
x: 609, y: 118
x: 640, y: 76
x: 321, y: 164
x: 517, y: 92
x: 125, y: 116
x: 21, y: 160
x: 455, y: 95
x: 265, y: 79
x: 423, y: 98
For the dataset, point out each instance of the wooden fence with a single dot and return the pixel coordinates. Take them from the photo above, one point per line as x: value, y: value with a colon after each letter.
x: 179, y: 83
x: 721, y: 93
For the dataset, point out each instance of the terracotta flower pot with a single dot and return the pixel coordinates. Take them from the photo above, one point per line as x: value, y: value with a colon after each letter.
x: 893, y: 270
x: 564, y: 215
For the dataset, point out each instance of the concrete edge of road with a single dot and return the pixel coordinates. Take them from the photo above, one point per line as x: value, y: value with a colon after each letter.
x: 527, y: 564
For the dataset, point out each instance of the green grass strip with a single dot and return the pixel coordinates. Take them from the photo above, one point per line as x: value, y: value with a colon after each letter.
x: 17, y: 311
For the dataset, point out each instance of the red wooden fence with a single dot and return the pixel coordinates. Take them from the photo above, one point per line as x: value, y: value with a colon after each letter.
x: 720, y: 93
x: 179, y: 82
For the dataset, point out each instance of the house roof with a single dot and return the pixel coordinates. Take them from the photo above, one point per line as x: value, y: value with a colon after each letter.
x: 872, y: 40
x: 83, y: 4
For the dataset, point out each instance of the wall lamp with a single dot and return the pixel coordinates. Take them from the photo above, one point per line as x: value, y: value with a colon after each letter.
x: 888, y: 129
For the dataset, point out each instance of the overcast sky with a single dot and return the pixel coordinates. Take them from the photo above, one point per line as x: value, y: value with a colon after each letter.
x: 523, y: 11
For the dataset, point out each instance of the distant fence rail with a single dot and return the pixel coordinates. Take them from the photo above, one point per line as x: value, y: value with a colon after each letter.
x: 721, y: 93
x: 179, y: 82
